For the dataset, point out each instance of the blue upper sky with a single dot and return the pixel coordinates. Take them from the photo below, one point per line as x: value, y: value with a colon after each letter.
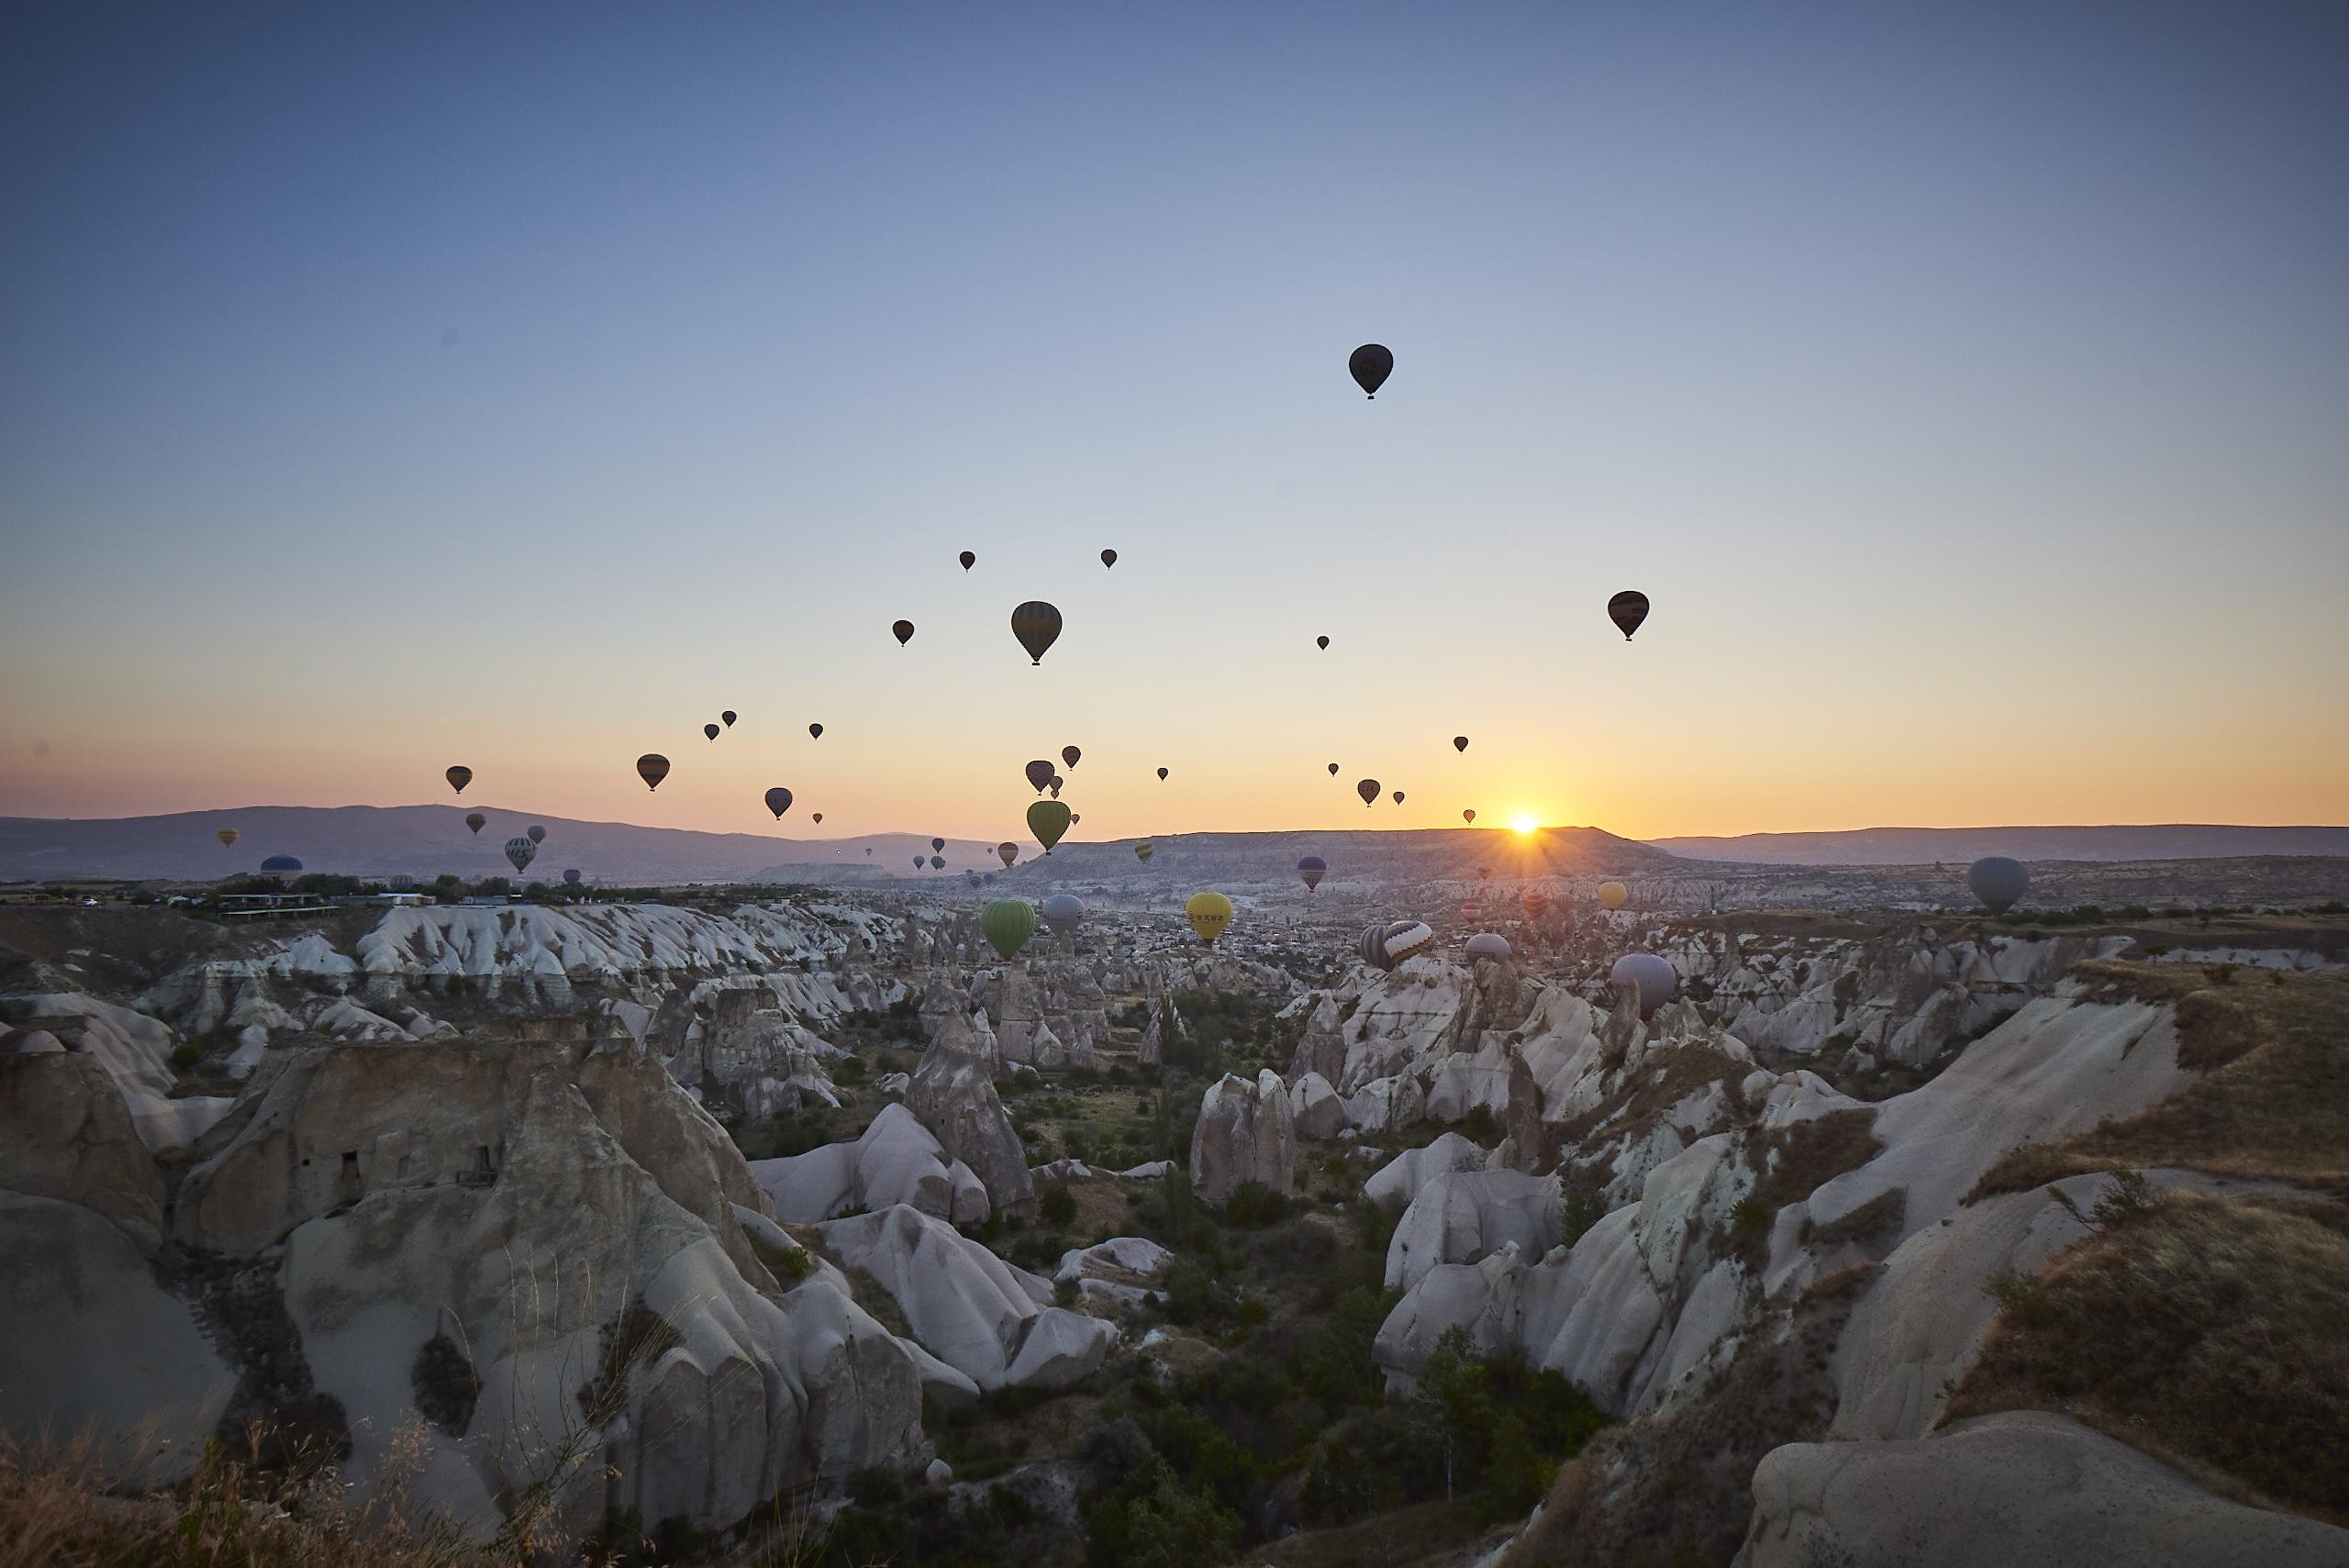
x: 387, y: 386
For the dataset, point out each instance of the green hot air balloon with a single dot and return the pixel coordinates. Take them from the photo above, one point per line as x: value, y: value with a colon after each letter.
x: 1007, y: 923
x: 1048, y: 820
x: 1037, y: 625
x: 1143, y: 851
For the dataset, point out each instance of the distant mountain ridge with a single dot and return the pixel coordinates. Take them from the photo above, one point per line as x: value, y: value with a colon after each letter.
x: 1920, y: 846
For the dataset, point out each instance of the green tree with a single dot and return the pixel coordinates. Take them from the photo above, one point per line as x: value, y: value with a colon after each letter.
x: 1152, y: 1520
x: 1453, y: 1405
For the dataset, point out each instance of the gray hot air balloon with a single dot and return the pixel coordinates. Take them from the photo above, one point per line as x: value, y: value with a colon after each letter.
x: 1654, y: 977
x: 1997, y: 881
x: 938, y: 862
x: 938, y: 843
x: 1487, y: 946
x: 520, y: 850
x: 536, y: 834
x: 1389, y: 942
x: 1062, y: 911
x: 571, y: 876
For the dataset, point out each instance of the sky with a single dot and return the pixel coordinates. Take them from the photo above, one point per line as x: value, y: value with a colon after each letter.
x: 384, y: 387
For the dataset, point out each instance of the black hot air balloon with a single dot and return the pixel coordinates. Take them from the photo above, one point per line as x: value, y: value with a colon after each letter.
x: 1162, y: 776
x: 571, y: 876
x: 817, y: 817
x: 1460, y: 742
x: 903, y: 632
x: 1368, y: 790
x: 1371, y: 365
x: 1069, y: 755
x: 1109, y: 558
x: 778, y: 801
x: 815, y: 732
x: 917, y: 862
x: 1626, y: 610
x: 653, y: 767
x: 537, y: 834
x: 476, y: 822
x: 1322, y: 643
x: 727, y: 719
x: 459, y: 777
x: 938, y: 843
x: 938, y: 862
x: 1398, y: 798
x: 1040, y: 774
x: 710, y: 730
x: 1037, y: 625
x: 1334, y: 770
x: 1313, y: 868
x: 1057, y: 781
x: 968, y: 560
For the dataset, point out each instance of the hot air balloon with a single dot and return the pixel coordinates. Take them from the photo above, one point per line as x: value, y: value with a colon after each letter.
x: 1654, y: 977
x: 1537, y: 903
x: 1997, y: 881
x: 1040, y: 774
x: 938, y: 843
x: 817, y: 818
x: 1109, y: 558
x: 988, y: 879
x: 1143, y: 849
x: 778, y: 801
x: 1047, y: 819
x: 1487, y: 946
x: 1209, y: 913
x: 1368, y: 790
x: 228, y: 836
x: 520, y: 850
x: 917, y: 862
x: 1469, y: 816
x: 903, y: 630
x: 815, y: 732
x: 1398, y: 798
x: 1322, y: 643
x: 710, y: 730
x: 971, y: 879
x: 459, y: 777
x: 571, y: 876
x: 653, y: 768
x: 938, y: 862
x: 1063, y: 911
x: 1162, y: 776
x: 1334, y: 770
x: 1460, y: 742
x: 1007, y: 923
x: 1389, y: 942
x: 1371, y: 365
x: 868, y: 851
x: 1614, y: 894
x: 1037, y: 625
x: 1008, y: 851
x: 1075, y: 817
x: 727, y: 719
x: 475, y: 820
x: 968, y: 560
x: 1626, y: 610
x: 1057, y: 781
x: 281, y: 863
x: 536, y: 834
x: 1069, y: 754
x: 1313, y: 868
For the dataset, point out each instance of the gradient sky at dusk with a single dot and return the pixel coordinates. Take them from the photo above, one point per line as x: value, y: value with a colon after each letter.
x: 382, y: 387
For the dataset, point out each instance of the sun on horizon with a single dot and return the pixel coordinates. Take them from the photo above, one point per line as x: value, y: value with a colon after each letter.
x: 1524, y: 823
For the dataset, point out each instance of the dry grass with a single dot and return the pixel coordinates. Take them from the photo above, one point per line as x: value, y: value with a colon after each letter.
x: 2273, y: 1100
x: 1434, y: 1532
x: 2207, y: 1330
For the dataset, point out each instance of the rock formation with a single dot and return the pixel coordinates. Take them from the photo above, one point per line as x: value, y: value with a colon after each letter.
x: 1244, y: 1134
x: 952, y: 1094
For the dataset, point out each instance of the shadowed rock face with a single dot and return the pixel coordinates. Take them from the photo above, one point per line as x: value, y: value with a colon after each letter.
x: 952, y: 1094
x: 1245, y: 1133
x: 2026, y: 1487
x: 64, y: 1134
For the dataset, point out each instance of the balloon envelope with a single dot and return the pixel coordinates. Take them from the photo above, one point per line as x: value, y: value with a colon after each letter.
x: 228, y: 837
x: 1209, y: 913
x: 817, y: 818
x: 1143, y: 849
x: 1334, y: 770
x: 815, y: 732
x: 1040, y: 774
x: 1488, y: 946
x: 1048, y: 820
x: 1614, y: 894
x: 710, y: 730
x: 1460, y: 742
x: 536, y: 834
x: 1313, y: 868
x: 653, y: 767
x: 571, y: 876
x: 903, y: 630
x: 1389, y: 942
x: 1062, y: 911
x: 1654, y: 976
x: 1997, y: 881
x: 459, y: 777
x: 1162, y: 776
x: 519, y: 850
x: 1009, y: 851
x: 1626, y: 610
x: 727, y: 719
x: 1069, y: 755
x: 1109, y: 558
x: 778, y: 801
x: 281, y: 862
x: 938, y: 862
x: 968, y: 560
x: 1469, y: 814
x: 1322, y: 643
x: 938, y: 843
x: 1371, y: 365
x: 1368, y: 790
x: 475, y: 820
x: 1398, y: 798
x: 1007, y: 923
x: 1037, y: 625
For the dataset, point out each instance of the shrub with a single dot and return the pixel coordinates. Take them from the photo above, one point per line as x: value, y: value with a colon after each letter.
x: 2129, y: 1196
x: 1055, y: 1204
x: 1253, y: 1203
x: 185, y: 1056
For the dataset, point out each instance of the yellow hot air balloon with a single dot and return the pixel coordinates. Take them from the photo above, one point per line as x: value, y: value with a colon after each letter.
x: 1614, y: 894
x: 228, y: 837
x: 1210, y: 913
